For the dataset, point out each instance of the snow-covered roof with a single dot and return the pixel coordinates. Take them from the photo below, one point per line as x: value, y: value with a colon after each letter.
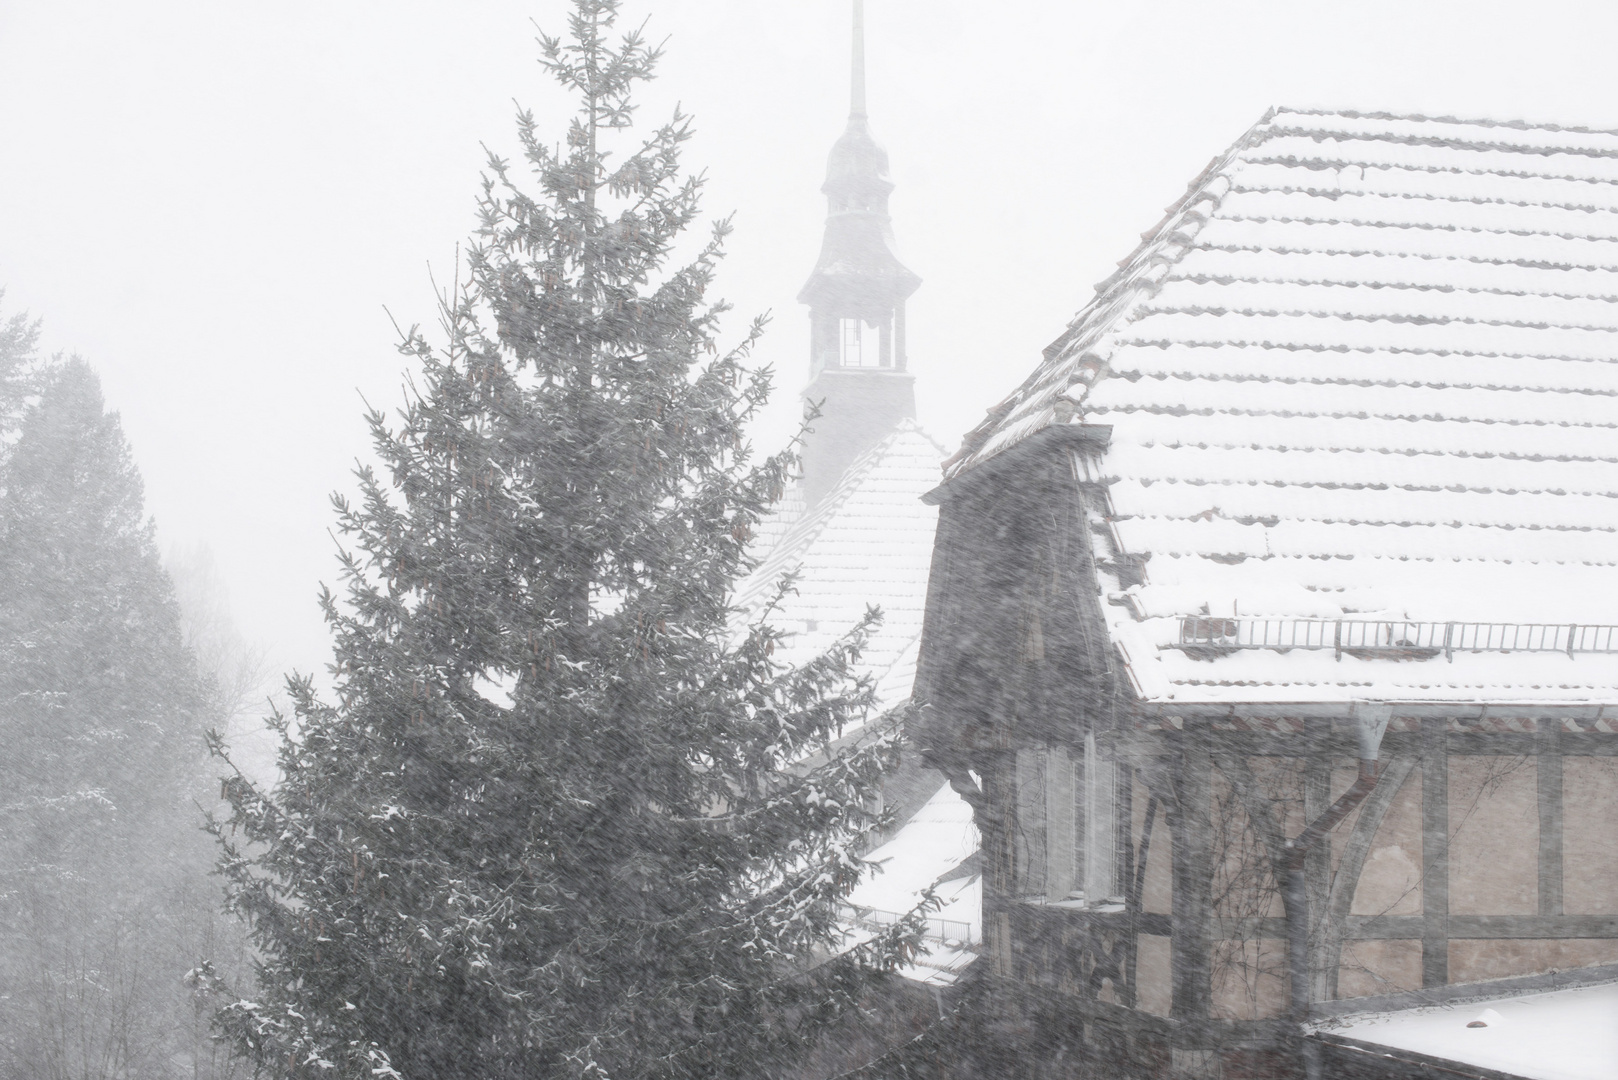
x: 930, y: 847
x: 1366, y: 369
x: 867, y: 542
x: 1560, y: 1035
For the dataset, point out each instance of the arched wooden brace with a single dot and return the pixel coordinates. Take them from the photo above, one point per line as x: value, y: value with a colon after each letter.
x: 1135, y: 875
x: 1328, y: 931
x: 1345, y: 881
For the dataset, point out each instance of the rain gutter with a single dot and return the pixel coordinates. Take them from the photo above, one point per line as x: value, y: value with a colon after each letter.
x: 1324, y: 710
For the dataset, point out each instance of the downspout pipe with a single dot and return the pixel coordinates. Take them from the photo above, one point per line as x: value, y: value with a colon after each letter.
x: 1371, y: 722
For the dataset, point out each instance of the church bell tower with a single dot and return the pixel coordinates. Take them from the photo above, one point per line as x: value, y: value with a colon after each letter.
x: 856, y: 297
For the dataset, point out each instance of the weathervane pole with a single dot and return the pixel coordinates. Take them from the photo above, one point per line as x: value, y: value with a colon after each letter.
x: 857, y: 97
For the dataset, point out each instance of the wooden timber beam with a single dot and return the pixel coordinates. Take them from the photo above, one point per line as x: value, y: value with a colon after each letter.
x: 1410, y: 928
x: 1317, y: 770
x: 1465, y: 711
x: 1549, y: 758
x: 1434, y: 854
x: 1192, y: 991
x: 1141, y: 744
x: 1485, y: 927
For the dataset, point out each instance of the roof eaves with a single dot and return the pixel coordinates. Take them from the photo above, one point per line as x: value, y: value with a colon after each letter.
x: 1096, y: 435
x: 1467, y: 993
x: 1423, y: 1064
x: 1457, y: 710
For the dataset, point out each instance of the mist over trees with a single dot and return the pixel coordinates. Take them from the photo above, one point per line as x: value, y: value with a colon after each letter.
x: 239, y: 674
x: 105, y: 899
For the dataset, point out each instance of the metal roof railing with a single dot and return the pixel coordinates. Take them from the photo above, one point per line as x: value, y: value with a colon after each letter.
x: 945, y: 930
x: 1390, y: 638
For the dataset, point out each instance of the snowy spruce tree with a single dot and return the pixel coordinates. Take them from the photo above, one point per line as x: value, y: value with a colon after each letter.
x: 557, y: 818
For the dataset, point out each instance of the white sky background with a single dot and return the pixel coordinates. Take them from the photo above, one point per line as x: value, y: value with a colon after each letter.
x: 212, y: 200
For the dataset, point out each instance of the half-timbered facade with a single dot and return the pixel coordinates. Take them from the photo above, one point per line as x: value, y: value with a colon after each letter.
x: 1332, y: 456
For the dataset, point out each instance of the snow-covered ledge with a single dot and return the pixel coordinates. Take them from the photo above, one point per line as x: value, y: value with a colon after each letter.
x: 1559, y: 1026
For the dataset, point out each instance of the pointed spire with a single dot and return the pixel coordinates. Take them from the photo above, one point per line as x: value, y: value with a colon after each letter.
x: 856, y: 106
x: 856, y: 296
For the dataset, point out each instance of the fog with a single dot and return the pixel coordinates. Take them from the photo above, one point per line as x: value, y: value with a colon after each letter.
x: 603, y: 746
x: 214, y: 203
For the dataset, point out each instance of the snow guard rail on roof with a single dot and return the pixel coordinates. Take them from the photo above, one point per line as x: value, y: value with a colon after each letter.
x: 1201, y: 635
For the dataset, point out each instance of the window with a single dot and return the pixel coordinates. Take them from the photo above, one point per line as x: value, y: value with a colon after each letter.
x: 859, y: 344
x: 1067, y: 821
x: 1032, y: 829
x: 1100, y: 825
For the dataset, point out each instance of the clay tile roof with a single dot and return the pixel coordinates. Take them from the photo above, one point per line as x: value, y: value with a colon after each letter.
x: 1366, y: 368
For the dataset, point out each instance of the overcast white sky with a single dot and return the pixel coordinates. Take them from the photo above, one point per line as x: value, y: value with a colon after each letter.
x: 213, y: 200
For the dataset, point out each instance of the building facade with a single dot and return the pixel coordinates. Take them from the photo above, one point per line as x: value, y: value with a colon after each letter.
x: 1270, y: 630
